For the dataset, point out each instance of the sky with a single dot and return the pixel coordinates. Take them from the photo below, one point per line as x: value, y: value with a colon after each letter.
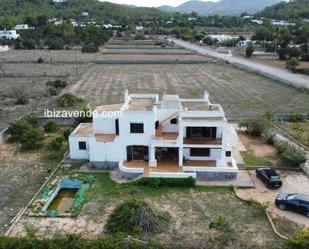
x: 150, y: 3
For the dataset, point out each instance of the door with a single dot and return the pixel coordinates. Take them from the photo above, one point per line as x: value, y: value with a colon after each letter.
x: 117, y: 126
x: 137, y: 153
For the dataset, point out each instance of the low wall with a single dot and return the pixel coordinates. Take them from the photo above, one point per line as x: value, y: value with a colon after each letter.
x: 104, y: 165
x: 214, y: 176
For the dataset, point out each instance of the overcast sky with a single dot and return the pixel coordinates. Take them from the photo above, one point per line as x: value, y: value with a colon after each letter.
x: 151, y: 3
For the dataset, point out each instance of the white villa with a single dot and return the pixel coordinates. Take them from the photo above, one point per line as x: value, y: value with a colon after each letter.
x: 8, y: 34
x: 171, y: 137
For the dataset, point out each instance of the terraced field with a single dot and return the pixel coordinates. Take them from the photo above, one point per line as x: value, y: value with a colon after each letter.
x: 240, y: 92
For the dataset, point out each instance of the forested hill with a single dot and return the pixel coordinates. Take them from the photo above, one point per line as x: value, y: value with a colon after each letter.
x: 287, y: 10
x: 101, y: 11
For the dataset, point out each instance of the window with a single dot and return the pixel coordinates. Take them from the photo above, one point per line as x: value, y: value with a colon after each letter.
x: 82, y: 146
x: 174, y: 121
x: 228, y: 153
x: 200, y: 152
x: 137, y: 128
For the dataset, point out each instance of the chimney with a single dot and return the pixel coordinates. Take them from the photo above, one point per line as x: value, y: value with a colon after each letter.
x: 206, y: 97
x: 126, y: 95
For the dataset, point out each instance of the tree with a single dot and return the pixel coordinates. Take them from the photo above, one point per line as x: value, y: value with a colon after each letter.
x: 32, y: 138
x: 249, y: 51
x: 255, y: 126
x: 51, y: 126
x: 292, y: 64
x: 55, y: 144
x: 17, y: 129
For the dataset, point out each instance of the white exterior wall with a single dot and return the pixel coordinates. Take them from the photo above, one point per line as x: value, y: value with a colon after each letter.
x: 106, y: 152
x: 75, y: 153
x: 104, y: 125
x: 127, y: 138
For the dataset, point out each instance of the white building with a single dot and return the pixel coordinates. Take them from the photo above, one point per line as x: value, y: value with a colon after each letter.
x: 244, y: 44
x: 22, y: 27
x: 171, y: 137
x: 139, y: 28
x: 222, y: 38
x: 8, y: 35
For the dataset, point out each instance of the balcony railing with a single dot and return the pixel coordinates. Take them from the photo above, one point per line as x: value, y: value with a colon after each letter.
x: 215, y: 141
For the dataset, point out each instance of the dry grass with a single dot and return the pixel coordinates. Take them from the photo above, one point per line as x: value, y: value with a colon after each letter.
x: 239, y: 92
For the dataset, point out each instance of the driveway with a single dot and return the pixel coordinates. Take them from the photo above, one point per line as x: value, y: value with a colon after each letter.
x: 267, y: 70
x: 293, y: 182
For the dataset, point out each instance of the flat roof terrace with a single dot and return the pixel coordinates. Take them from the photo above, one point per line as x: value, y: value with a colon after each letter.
x: 84, y: 129
x: 198, y: 106
x: 141, y: 104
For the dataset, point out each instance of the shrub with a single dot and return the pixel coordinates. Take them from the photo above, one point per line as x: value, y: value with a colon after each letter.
x: 294, y: 52
x: 31, y: 120
x: 17, y: 129
x: 56, y: 144
x: 220, y: 224
x: 133, y: 217
x: 270, y: 137
x: 56, y: 44
x: 32, y: 138
x: 53, y: 91
x: 68, y: 99
x: 292, y: 64
x: 299, y: 241
x: 22, y: 100
x: 119, y: 220
x: 40, y: 60
x: 90, y: 48
x: 166, y: 182
x: 139, y: 36
x: 290, y: 154
x: 57, y: 83
x: 249, y: 51
x: 51, y: 126
x: 67, y: 132
x: 255, y: 126
x: 305, y: 56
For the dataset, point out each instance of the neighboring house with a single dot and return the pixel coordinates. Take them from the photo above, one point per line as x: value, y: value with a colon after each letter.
x: 8, y: 35
x: 139, y: 28
x: 222, y: 38
x: 22, y: 27
x: 171, y: 137
x: 244, y: 44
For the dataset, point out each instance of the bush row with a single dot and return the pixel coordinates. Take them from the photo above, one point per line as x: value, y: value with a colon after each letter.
x: 166, y: 182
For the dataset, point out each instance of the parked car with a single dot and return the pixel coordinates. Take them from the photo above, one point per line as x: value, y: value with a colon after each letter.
x: 270, y: 177
x: 298, y: 203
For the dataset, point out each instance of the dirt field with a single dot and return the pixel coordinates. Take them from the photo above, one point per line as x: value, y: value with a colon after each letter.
x: 257, y: 147
x: 239, y: 92
x: 190, y: 210
x: 21, y: 176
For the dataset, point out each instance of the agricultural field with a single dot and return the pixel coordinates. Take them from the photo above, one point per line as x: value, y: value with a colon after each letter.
x: 239, y: 92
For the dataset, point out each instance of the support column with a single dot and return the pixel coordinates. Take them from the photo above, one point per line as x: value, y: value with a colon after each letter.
x: 180, y: 156
x: 152, y: 157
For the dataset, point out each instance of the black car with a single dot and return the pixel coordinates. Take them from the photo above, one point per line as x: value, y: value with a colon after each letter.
x: 295, y: 202
x: 270, y: 177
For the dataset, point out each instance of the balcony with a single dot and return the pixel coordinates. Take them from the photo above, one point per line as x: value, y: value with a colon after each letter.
x: 206, y: 141
x: 167, y: 136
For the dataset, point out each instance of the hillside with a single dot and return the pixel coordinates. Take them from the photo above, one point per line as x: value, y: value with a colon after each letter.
x: 296, y: 9
x: 223, y: 7
x: 100, y: 11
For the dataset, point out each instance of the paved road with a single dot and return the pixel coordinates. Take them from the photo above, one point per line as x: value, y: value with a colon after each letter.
x: 273, y: 72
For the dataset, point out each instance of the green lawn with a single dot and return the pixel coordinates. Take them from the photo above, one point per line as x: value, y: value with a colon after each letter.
x: 252, y: 160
